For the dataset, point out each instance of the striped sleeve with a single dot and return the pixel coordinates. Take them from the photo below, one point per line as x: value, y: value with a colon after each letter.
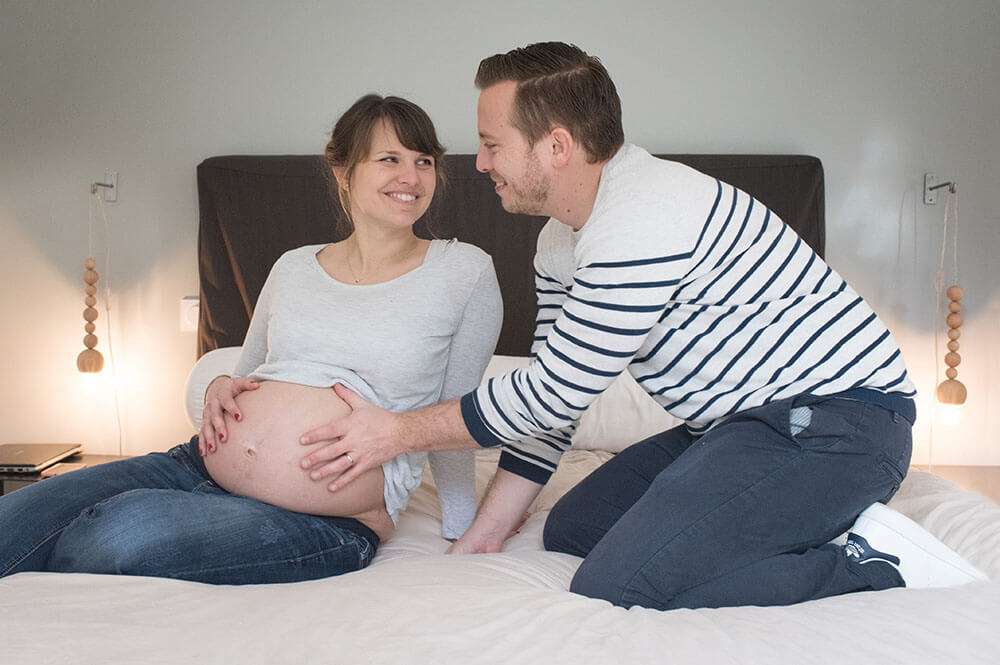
x: 590, y: 325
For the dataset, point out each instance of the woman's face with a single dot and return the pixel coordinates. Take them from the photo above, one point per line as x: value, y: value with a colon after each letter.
x: 394, y: 185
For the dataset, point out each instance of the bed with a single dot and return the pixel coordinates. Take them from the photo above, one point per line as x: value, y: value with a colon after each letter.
x: 415, y: 604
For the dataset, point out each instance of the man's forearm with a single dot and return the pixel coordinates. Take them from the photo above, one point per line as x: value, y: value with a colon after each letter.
x: 501, y: 512
x: 436, y: 427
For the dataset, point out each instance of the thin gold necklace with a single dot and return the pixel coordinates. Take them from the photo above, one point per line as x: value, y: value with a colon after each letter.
x: 354, y: 275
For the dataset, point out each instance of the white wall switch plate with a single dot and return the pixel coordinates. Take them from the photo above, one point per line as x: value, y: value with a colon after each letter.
x: 190, y: 307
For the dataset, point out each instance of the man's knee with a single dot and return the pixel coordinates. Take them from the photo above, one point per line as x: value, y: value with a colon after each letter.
x: 597, y: 581
x: 625, y: 579
x: 565, y: 530
x: 555, y: 532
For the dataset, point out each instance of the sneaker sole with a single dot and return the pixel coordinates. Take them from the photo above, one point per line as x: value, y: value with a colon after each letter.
x: 879, y: 519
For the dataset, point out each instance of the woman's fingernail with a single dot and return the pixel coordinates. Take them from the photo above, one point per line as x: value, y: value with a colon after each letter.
x: 239, y: 417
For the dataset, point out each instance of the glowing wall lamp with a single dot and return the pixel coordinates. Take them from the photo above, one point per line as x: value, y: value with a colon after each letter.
x: 90, y: 359
x: 952, y: 391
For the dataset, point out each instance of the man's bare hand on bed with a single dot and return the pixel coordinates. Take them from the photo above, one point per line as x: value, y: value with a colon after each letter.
x: 220, y: 399
x: 503, y: 510
x: 371, y: 435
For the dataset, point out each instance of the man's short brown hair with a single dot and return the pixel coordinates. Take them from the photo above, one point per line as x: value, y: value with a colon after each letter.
x: 559, y: 85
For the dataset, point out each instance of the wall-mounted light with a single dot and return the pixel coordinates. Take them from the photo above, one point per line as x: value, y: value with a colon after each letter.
x: 90, y: 359
x: 951, y: 390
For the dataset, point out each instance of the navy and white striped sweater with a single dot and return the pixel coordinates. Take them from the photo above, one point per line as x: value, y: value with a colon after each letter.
x: 711, y: 302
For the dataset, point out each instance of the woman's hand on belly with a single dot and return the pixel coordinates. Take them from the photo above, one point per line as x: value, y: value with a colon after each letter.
x: 220, y: 401
x: 261, y: 458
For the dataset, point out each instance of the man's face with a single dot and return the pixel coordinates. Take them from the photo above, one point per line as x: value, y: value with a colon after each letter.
x: 504, y: 153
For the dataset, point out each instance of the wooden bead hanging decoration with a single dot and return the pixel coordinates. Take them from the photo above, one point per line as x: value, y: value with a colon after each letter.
x: 951, y: 390
x: 90, y: 359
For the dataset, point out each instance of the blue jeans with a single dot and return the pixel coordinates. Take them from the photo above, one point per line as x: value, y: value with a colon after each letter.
x: 739, y: 516
x: 161, y: 515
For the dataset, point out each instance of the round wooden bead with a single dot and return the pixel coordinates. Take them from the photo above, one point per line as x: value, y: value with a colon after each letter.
x: 90, y: 314
x: 90, y: 301
x: 90, y: 360
x: 91, y: 290
x: 952, y: 359
x: 953, y: 346
x: 951, y: 392
x: 90, y: 341
x: 955, y: 292
x: 954, y: 306
x: 90, y: 276
x: 954, y: 320
x: 90, y: 327
x: 951, y: 372
x: 90, y: 264
x: 954, y: 333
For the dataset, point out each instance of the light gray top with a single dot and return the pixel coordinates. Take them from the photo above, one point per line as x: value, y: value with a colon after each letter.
x: 423, y: 337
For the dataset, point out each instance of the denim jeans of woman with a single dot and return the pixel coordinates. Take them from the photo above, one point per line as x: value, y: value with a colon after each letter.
x: 740, y: 516
x: 161, y: 515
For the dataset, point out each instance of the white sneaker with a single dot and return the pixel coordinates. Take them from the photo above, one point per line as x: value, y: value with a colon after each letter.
x: 882, y: 534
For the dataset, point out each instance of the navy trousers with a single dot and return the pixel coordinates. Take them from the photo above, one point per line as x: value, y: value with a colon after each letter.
x: 739, y: 516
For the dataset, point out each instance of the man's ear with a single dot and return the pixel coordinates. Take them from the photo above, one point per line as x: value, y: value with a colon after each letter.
x: 562, y: 145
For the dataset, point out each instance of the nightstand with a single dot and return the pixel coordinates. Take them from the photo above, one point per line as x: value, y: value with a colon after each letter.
x: 13, y: 481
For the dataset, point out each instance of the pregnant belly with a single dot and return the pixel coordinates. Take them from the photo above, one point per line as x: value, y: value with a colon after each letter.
x: 262, y: 454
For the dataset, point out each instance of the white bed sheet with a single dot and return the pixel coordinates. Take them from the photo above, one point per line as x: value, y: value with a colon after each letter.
x: 417, y: 605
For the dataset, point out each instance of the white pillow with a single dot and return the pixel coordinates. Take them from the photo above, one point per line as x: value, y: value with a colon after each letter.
x: 621, y: 416
x: 212, y: 364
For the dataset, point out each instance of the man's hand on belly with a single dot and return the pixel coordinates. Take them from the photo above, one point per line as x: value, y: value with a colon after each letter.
x: 371, y: 435
x: 356, y: 443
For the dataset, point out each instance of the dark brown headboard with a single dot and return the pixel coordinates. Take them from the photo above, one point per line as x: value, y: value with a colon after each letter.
x: 253, y: 209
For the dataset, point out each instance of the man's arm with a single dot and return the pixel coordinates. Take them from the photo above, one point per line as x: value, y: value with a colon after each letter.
x: 503, y: 509
x: 371, y: 435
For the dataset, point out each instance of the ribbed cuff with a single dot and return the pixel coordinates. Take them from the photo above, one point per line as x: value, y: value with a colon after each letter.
x: 518, y: 466
x: 475, y: 423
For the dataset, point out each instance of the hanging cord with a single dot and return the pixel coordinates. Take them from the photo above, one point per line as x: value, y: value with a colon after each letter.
x: 97, y: 194
x: 950, y: 218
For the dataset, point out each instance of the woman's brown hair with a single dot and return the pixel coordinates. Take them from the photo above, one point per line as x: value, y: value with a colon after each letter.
x: 350, y: 141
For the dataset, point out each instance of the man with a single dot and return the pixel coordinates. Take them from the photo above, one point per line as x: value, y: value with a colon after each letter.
x: 797, y: 403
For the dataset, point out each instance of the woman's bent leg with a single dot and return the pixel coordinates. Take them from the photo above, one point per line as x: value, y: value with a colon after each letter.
x: 210, y: 536
x: 32, y: 518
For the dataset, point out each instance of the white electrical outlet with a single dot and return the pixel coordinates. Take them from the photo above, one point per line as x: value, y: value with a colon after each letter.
x: 190, y: 307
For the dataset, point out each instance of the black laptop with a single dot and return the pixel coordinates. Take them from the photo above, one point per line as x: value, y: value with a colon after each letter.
x: 33, y: 457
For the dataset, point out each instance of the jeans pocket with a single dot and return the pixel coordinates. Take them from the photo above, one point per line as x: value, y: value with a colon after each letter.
x: 830, y: 421
x: 893, y: 472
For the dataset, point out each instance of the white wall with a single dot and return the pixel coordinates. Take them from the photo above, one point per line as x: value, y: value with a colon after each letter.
x: 880, y: 91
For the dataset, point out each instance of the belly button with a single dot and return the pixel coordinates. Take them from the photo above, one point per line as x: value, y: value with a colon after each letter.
x: 251, y: 452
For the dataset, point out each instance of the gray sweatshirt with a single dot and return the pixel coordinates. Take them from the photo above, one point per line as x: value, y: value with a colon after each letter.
x: 423, y: 337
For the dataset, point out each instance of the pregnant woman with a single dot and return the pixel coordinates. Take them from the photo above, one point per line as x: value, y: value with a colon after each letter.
x: 402, y: 321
